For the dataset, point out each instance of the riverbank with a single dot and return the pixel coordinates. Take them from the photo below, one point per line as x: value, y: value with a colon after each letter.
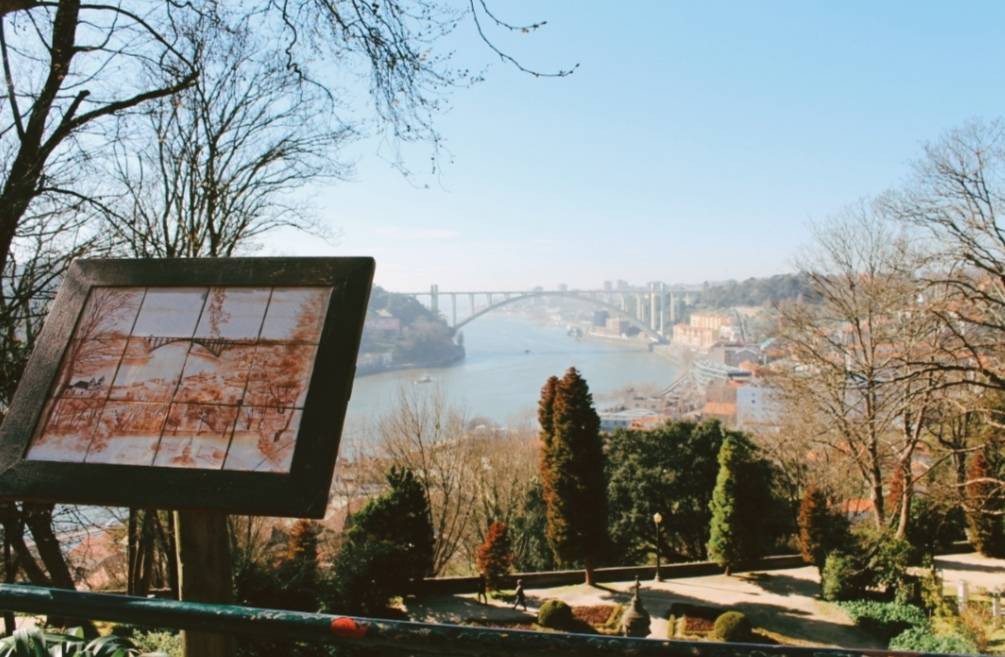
x: 370, y: 370
x: 508, y: 359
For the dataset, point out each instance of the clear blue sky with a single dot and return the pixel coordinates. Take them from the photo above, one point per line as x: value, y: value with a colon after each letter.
x: 696, y: 141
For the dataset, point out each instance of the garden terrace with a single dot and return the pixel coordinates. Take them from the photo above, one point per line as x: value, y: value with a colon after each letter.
x: 391, y: 637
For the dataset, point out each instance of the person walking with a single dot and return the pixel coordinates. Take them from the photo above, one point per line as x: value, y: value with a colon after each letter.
x: 521, y: 597
x: 483, y: 596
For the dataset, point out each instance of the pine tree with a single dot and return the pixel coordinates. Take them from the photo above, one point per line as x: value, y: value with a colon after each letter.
x: 387, y: 550
x: 494, y: 555
x: 572, y: 472
x: 725, y: 543
x: 298, y: 571
x: 821, y: 530
x: 983, y: 506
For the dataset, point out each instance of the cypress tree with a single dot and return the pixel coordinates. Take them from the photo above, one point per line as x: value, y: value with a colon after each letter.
x: 725, y: 543
x: 821, y: 530
x: 494, y: 555
x: 298, y: 571
x: 572, y: 472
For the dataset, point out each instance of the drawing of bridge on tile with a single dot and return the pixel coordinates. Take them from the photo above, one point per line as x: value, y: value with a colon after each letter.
x: 184, y: 377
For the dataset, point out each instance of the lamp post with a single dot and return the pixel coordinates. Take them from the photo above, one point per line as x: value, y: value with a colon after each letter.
x: 657, y: 519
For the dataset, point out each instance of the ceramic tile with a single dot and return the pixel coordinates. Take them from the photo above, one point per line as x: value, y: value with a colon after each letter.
x: 127, y: 433
x: 109, y: 311
x: 215, y: 378
x: 263, y: 440
x: 89, y: 366
x: 280, y: 375
x: 149, y: 370
x: 69, y: 426
x: 170, y: 312
x: 196, y: 436
x: 295, y: 314
x: 233, y: 313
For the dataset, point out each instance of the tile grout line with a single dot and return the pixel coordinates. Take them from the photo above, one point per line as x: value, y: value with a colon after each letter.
x: 118, y: 366
x: 244, y: 392
x: 307, y: 384
x: 170, y: 401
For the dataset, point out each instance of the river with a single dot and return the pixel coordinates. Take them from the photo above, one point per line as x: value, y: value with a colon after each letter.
x: 508, y: 360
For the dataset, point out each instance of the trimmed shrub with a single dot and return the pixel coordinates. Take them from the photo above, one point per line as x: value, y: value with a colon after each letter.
x: 842, y: 578
x: 921, y: 639
x: 710, y: 612
x: 556, y: 615
x: 732, y: 626
x: 821, y: 529
x: 887, y: 561
x: 885, y: 619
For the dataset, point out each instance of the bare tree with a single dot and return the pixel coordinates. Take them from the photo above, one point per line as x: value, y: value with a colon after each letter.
x: 213, y: 168
x: 70, y: 68
x: 859, y: 357
x: 954, y: 196
x: 43, y: 248
x: 428, y: 437
x: 503, y: 465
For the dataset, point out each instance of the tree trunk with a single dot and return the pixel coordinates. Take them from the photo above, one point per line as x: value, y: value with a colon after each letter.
x: 147, y: 554
x: 38, y: 518
x: 876, y: 492
x: 26, y: 168
x: 204, y: 558
x: 14, y: 532
x: 588, y: 568
x: 131, y: 553
x: 904, y: 520
x: 169, y: 543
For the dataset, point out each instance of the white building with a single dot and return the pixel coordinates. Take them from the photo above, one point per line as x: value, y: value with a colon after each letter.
x: 757, y: 407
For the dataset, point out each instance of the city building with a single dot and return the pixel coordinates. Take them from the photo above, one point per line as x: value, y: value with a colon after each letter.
x: 757, y: 407
x: 704, y: 330
x: 632, y: 418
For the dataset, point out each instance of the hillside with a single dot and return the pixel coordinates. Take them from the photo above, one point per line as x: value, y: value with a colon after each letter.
x: 400, y: 332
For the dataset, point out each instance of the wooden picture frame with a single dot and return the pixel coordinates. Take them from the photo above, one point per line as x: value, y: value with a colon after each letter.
x: 80, y: 428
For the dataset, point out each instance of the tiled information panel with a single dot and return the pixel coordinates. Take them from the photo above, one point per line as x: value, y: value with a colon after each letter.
x: 212, y: 378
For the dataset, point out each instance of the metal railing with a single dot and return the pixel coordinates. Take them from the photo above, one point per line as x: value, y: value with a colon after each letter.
x: 386, y: 636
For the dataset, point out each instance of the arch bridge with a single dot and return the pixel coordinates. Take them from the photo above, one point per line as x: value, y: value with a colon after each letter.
x: 653, y: 310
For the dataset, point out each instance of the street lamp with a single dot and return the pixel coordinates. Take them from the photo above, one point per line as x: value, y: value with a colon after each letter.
x: 658, y: 518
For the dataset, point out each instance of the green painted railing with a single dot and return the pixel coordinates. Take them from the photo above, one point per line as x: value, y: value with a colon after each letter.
x: 392, y: 637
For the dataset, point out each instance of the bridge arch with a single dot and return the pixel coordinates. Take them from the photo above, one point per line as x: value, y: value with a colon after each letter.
x: 610, y: 307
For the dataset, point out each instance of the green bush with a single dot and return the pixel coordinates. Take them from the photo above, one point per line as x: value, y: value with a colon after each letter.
x: 163, y: 642
x: 885, y: 619
x: 708, y: 612
x: 556, y: 615
x: 33, y: 643
x: 921, y: 639
x: 732, y: 626
x: 842, y: 578
x: 933, y: 528
x: 887, y: 558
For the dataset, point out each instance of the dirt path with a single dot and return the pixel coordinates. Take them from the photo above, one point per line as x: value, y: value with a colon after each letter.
x: 978, y: 571
x: 782, y: 601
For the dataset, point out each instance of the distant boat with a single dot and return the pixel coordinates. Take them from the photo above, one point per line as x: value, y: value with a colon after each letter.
x: 526, y: 351
x: 425, y: 378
